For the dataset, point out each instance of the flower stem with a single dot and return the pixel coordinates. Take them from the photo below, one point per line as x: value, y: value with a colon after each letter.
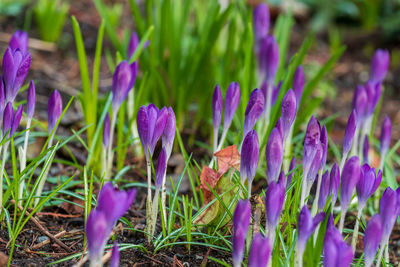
x: 356, y: 228
x: 110, y: 154
x: 23, y: 160
x: 342, y: 217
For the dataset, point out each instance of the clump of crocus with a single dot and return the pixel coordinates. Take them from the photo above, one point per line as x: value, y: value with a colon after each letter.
x: 349, y: 179
x: 260, y: 251
x: 274, y: 155
x: 112, y: 204
x: 249, y: 159
x: 305, y: 228
x: 274, y: 199
x: 372, y: 239
x: 241, y: 223
x: 386, y: 134
x: 254, y: 108
x: 336, y: 251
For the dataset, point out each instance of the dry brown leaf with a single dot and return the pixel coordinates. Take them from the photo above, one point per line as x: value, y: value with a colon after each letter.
x: 3, y: 259
x: 208, y: 177
x: 228, y: 158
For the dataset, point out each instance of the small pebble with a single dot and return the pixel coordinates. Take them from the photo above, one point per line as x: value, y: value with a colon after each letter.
x: 42, y: 238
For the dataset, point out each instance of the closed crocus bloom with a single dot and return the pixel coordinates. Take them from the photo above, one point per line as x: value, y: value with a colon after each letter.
x: 97, y: 231
x: 106, y: 130
x: 15, y: 69
x: 386, y: 135
x: 16, y: 120
x: 19, y: 40
x: 379, y: 65
x: 30, y: 100
x: 306, y: 226
x: 366, y: 149
x: 161, y: 121
x: 8, y: 117
x: 274, y: 198
x: 232, y: 98
x: 367, y: 184
x: 249, y: 157
x: 54, y: 109
x: 349, y: 132
x: 217, y: 107
x: 372, y: 238
x: 168, y: 135
x: 334, y: 182
x: 289, y: 108
x: 133, y: 44
x: 146, y: 122
x: 161, y: 168
x: 261, y: 21
x: 315, y: 165
x: 324, y: 143
x: 378, y: 92
x: 389, y: 210
x: 260, y: 251
x: 298, y: 84
x: 241, y: 223
x: 311, y: 142
x: 268, y: 58
x: 349, y: 180
x: 2, y: 99
x: 254, y: 109
x: 370, y: 90
x: 360, y: 103
x: 274, y: 155
x: 123, y: 80
x: 114, y: 261
x: 336, y: 251
x: 325, y: 190
x: 292, y: 165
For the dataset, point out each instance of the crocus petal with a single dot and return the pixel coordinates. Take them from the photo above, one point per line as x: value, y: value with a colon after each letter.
x: 217, y: 107
x: 372, y: 239
x: 241, y: 223
x: 349, y: 180
x: 253, y: 111
x: 161, y: 168
x: 168, y: 135
x: 274, y: 155
x: 274, y: 199
x: 349, y: 132
x: 54, y: 109
x: 379, y: 65
x: 249, y: 156
x: 114, y: 261
x: 260, y: 251
x: 232, y: 99
x: 386, y: 135
x: 261, y: 21
x: 289, y: 108
x: 30, y: 100
x: 298, y: 84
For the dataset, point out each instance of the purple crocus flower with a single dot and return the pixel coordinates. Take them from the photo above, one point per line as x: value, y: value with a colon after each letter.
x: 30, y: 100
x: 241, y: 223
x: 311, y: 143
x: 336, y: 251
x: 275, y: 91
x: 292, y: 165
x: 289, y: 108
x: 249, y: 157
x: 366, y: 149
x: 15, y: 69
x: 315, y: 165
x: 8, y: 117
x: 349, y: 133
x: 123, y: 80
x: 106, y: 131
x: 274, y: 198
x: 114, y: 261
x: 268, y: 58
x: 279, y: 126
x: 232, y: 98
x: 360, y: 103
x: 253, y: 111
x: 274, y: 155
x: 306, y: 226
x: 261, y: 21
x: 325, y: 190
x: 161, y: 168
x: 349, y: 180
x: 379, y: 65
x: 19, y: 40
x: 386, y: 135
x: 367, y: 185
x: 370, y: 90
x: 54, y: 110
x: 377, y: 95
x: 133, y: 44
x: 334, y: 182
x: 16, y: 120
x: 97, y: 231
x: 389, y: 209
x: 168, y: 135
x: 217, y: 107
x: 2, y: 100
x: 298, y: 84
x: 372, y: 238
x: 260, y: 251
x: 324, y: 146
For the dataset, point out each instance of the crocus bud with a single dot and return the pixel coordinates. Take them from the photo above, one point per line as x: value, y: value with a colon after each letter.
x: 261, y: 21
x: 260, y: 251
x: 360, y: 103
x: 292, y: 165
x: 133, y: 44
x: 241, y: 222
x: 372, y: 238
x: 97, y: 230
x: 274, y: 198
x: 336, y: 251
x: 311, y: 142
x: 268, y: 58
x: 324, y: 146
x: 274, y: 155
x: 366, y: 149
x: 289, y: 108
x: 367, y: 185
x: 161, y: 121
x: 249, y: 157
x: 30, y: 100
x: 8, y: 117
x: 379, y: 65
x: 15, y: 69
x: 306, y: 226
x: 253, y: 111
x: 16, y: 120
x: 168, y: 135
x: 161, y: 168
x: 389, y: 210
x: 315, y: 165
x: 298, y: 84
x: 370, y: 90
x: 378, y: 92
x: 114, y: 261
x: 123, y: 80
x: 217, y: 107
x: 325, y: 190
x: 386, y: 135
x: 334, y: 182
x: 349, y: 180
x: 232, y: 98
x: 19, y: 40
x: 2, y: 99
x: 349, y: 133
x: 54, y: 109
x: 106, y: 130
